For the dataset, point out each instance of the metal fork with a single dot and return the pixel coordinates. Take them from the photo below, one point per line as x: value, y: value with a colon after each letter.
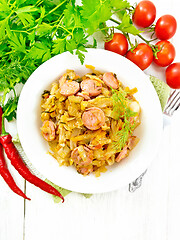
x: 172, y: 105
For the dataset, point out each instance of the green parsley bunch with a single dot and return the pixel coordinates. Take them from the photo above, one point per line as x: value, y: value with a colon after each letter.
x: 32, y: 32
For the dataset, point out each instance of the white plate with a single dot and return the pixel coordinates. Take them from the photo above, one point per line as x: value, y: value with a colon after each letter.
x: 36, y: 148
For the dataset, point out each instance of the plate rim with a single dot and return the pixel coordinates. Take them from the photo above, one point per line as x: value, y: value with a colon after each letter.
x: 19, y: 111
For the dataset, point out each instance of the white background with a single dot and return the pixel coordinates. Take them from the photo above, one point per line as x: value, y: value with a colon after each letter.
x: 150, y: 213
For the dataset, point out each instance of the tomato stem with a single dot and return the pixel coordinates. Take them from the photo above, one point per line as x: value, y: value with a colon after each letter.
x: 139, y: 35
x: 115, y: 21
x: 154, y: 39
x: 129, y: 40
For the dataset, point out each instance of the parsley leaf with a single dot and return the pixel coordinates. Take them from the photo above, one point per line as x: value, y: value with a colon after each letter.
x: 44, y: 29
x: 72, y: 18
x: 5, y: 9
x: 26, y: 18
x: 127, y: 26
x: 59, y: 46
x: 17, y: 42
x: 9, y: 109
x: 40, y: 50
x: 121, y: 4
x: 71, y: 45
x: 80, y: 54
x: 95, y: 12
x: 3, y: 26
x: 33, y: 31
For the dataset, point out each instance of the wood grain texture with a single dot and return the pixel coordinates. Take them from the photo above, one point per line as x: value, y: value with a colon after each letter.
x: 150, y: 213
x: 11, y: 205
x: 116, y: 215
x: 11, y: 210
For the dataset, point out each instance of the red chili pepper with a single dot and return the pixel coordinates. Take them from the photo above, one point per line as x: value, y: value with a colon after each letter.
x: 17, y: 162
x: 20, y: 166
x: 4, y: 172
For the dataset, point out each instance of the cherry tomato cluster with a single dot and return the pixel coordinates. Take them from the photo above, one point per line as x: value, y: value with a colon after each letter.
x: 143, y: 54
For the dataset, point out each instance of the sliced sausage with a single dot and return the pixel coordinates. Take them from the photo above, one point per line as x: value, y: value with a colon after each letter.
x: 110, y: 80
x: 62, y: 80
x: 134, y: 121
x: 124, y: 153
x: 132, y: 141
x: 85, y: 170
x: 92, y: 87
x: 69, y: 88
x: 48, y: 130
x: 93, y: 118
x: 85, y: 96
x: 98, y: 146
x: 78, y: 159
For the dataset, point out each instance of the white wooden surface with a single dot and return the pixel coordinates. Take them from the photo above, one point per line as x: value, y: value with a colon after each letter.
x: 150, y: 213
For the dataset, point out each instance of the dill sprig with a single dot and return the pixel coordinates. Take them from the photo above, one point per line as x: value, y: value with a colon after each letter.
x: 122, y: 111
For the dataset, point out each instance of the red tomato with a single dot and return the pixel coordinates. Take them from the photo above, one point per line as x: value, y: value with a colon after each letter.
x: 142, y: 56
x: 166, y: 55
x: 165, y: 27
x: 118, y: 44
x: 173, y: 75
x: 145, y: 14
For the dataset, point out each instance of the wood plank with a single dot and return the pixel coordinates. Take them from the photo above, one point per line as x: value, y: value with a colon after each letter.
x: 11, y: 210
x: 11, y: 205
x: 150, y: 213
x: 173, y: 209
x: 119, y: 213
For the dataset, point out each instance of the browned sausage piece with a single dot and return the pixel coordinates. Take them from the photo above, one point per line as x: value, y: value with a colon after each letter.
x: 75, y: 155
x: 48, y: 130
x: 85, y: 170
x: 110, y: 80
x: 85, y: 96
x: 93, y: 118
x: 62, y: 80
x: 69, y: 88
x: 92, y: 87
x: 124, y: 153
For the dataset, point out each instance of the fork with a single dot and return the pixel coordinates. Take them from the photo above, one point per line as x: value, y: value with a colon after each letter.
x: 172, y: 105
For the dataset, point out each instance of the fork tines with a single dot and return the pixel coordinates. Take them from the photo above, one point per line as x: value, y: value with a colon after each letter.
x: 173, y: 103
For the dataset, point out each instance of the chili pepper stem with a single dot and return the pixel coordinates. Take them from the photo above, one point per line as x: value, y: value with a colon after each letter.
x: 3, y: 133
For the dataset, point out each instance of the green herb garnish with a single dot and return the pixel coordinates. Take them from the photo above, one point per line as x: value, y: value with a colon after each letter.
x: 122, y: 111
x: 79, y: 80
